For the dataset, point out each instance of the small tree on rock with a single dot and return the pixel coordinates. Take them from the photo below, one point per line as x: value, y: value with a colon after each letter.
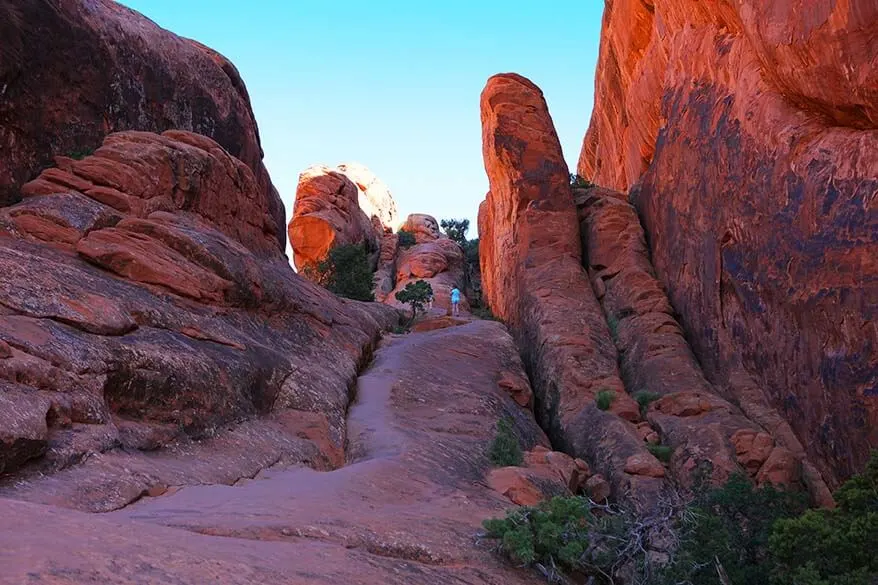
x: 416, y: 294
x: 344, y: 271
x: 456, y: 229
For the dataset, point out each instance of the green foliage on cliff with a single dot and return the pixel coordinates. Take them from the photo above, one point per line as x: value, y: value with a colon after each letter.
x: 456, y: 230
x: 604, y: 399
x: 504, y: 450
x: 406, y: 239
x: 578, y: 182
x: 344, y: 271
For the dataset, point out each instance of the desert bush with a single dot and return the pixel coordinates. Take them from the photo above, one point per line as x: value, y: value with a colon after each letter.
x: 661, y: 452
x: 345, y: 271
x: 580, y: 183
x: 604, y: 399
x: 504, y: 450
x: 456, y: 230
x: 644, y: 399
x: 406, y: 239
x: 832, y: 547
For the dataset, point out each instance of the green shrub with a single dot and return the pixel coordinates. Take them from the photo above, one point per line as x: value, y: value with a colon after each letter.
x: 564, y: 534
x: 578, y: 182
x: 415, y: 294
x: 728, y: 528
x: 661, y: 452
x: 344, y: 271
x: 456, y: 229
x: 406, y: 239
x: 613, y: 324
x: 604, y: 399
x: 504, y: 450
x: 832, y: 547
x: 80, y: 153
x: 644, y: 399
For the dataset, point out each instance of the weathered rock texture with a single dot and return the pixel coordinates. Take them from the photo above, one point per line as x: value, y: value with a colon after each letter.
x: 434, y: 258
x: 72, y: 72
x: 145, y: 299
x: 374, y: 195
x: 327, y: 214
x: 748, y: 135
x: 532, y: 278
x: 402, y: 511
x: 688, y: 413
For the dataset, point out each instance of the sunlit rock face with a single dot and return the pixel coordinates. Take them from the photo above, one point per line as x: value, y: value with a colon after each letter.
x: 327, y: 214
x: 747, y: 133
x: 373, y: 194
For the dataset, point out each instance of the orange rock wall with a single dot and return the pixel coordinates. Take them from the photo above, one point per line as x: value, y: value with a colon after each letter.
x: 747, y: 133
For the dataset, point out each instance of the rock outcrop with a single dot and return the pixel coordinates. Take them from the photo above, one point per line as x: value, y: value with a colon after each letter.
x: 748, y: 137
x: 403, y: 510
x: 434, y: 258
x: 686, y: 412
x: 533, y: 279
x: 72, y: 72
x: 327, y: 214
x: 374, y: 195
x: 146, y: 301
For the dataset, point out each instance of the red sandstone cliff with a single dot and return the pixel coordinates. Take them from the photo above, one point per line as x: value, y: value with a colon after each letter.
x: 72, y: 72
x: 747, y: 133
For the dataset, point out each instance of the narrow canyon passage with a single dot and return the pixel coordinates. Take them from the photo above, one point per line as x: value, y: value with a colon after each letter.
x: 405, y: 509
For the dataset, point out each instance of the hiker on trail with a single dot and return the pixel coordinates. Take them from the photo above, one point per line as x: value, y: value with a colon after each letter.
x: 430, y: 301
x: 455, y: 301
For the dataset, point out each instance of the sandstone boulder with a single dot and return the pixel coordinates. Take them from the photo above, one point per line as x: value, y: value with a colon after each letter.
x: 144, y: 290
x: 374, y: 196
x: 424, y: 227
x: 327, y: 214
x: 746, y: 133
x: 72, y: 72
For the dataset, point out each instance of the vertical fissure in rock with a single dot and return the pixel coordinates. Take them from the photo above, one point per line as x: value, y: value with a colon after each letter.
x: 683, y: 410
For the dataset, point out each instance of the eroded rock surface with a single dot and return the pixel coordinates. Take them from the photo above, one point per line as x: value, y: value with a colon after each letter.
x: 327, y: 214
x: 146, y: 302
x: 748, y: 135
x: 532, y: 277
x: 405, y: 509
x: 685, y: 411
x: 374, y: 195
x: 72, y: 72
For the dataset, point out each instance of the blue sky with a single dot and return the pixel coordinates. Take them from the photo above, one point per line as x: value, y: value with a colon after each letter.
x: 394, y: 84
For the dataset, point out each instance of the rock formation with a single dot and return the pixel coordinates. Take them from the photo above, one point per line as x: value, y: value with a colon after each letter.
x: 402, y: 511
x: 146, y: 300
x: 72, y: 72
x: 374, y: 196
x: 532, y: 277
x: 748, y: 136
x: 326, y: 214
x: 688, y: 414
x: 434, y: 258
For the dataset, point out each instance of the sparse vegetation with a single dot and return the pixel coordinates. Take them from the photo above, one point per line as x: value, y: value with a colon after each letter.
x: 80, y: 153
x: 661, y: 452
x: 727, y: 531
x: 456, y: 230
x: 644, y: 399
x: 832, y: 547
x: 415, y: 294
x: 604, y: 399
x: 566, y: 535
x: 578, y: 182
x: 733, y: 534
x: 613, y: 324
x: 406, y: 239
x: 344, y: 271
x: 504, y: 450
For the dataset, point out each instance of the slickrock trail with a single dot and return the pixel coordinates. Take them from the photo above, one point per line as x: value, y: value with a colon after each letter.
x: 405, y: 509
